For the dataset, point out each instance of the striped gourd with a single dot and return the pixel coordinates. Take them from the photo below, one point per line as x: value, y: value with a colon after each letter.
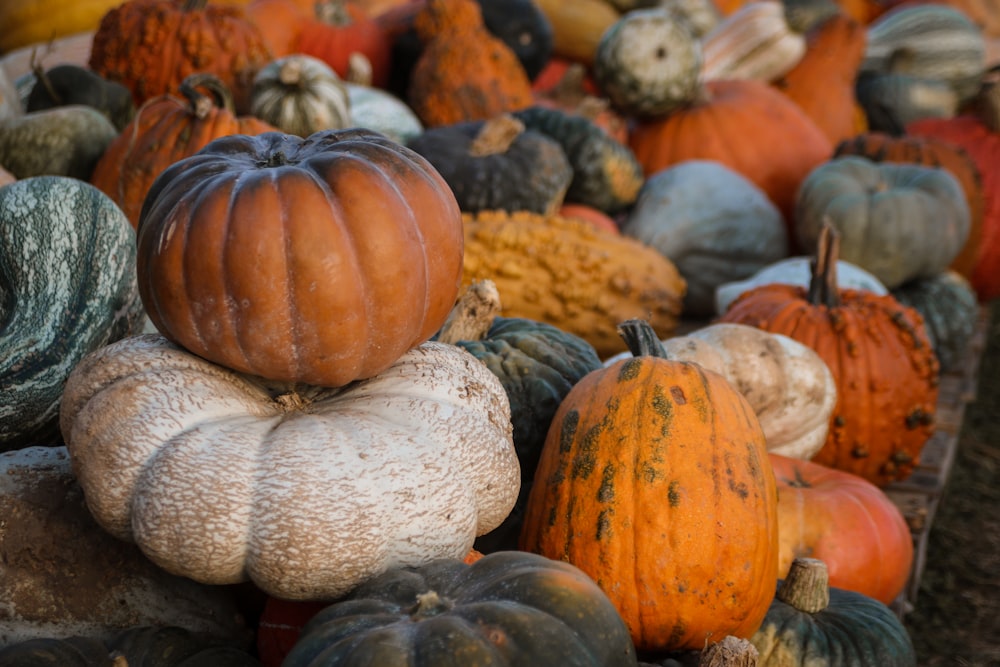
x: 67, y: 258
x: 755, y: 42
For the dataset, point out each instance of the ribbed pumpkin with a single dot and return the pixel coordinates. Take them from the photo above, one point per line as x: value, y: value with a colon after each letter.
x: 934, y: 152
x: 164, y: 130
x: 299, y: 94
x: 151, y: 46
x: 879, y: 354
x: 654, y: 480
x: 845, y: 521
x: 369, y: 263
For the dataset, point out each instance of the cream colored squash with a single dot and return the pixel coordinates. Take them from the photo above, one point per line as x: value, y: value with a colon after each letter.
x: 788, y: 385
x: 755, y: 42
x: 307, y: 491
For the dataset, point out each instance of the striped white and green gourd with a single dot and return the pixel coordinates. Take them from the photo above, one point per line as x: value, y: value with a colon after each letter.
x: 300, y: 95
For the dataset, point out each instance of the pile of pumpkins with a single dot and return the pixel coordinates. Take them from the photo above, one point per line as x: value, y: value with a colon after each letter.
x: 495, y: 331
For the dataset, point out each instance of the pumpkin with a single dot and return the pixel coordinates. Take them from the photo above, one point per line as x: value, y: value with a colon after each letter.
x: 381, y: 111
x: 165, y: 130
x: 809, y: 621
x: 577, y: 27
x: 822, y: 83
x: 485, y: 163
x: 571, y: 275
x: 605, y: 172
x: 654, y: 481
x: 339, y: 28
x: 62, y: 141
x: 789, y: 387
x: 522, y: 26
x: 464, y: 73
x: 898, y: 221
x: 341, y: 502
x: 24, y: 23
x: 146, y: 46
x: 507, y: 608
x: 370, y: 265
x: 879, y: 354
x: 890, y: 102
x: 934, y: 152
x: 701, y: 15
x: 280, y: 22
x: 299, y: 94
x: 711, y: 222
x: 845, y: 521
x: 67, y: 255
x: 648, y: 62
x: 950, y: 309
x: 746, y: 125
x: 754, y: 42
x: 72, y: 84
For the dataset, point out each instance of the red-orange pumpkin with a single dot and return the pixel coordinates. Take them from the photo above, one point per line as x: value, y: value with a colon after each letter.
x: 845, y: 521
x: 654, y: 480
x: 339, y: 28
x: 318, y: 260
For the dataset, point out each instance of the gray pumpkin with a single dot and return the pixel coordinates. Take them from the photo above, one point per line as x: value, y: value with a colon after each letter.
x: 62, y: 141
x: 67, y: 263
x: 950, y: 309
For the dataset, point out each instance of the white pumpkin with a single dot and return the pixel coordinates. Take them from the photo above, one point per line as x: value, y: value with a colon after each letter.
x: 307, y: 491
x: 788, y: 385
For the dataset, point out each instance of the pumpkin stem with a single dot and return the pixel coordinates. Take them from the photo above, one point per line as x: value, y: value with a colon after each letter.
x: 429, y: 604
x: 730, y: 651
x: 641, y: 339
x: 290, y: 401
x: 275, y: 159
x: 290, y: 72
x: 333, y: 12
x: 43, y: 78
x: 473, y: 315
x: 496, y: 135
x: 823, y: 281
x: 988, y: 100
x: 202, y: 105
x: 806, y: 586
x: 359, y: 69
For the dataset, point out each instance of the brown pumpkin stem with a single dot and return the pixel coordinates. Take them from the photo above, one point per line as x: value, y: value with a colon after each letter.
x: 730, y: 652
x: 473, y: 315
x: 333, y: 12
x: 496, y: 135
x: 291, y: 401
x: 290, y: 72
x: 641, y: 339
x: 823, y: 288
x: 429, y: 604
x: 43, y: 78
x: 359, y: 69
x: 806, y: 586
x: 988, y: 100
x: 202, y: 105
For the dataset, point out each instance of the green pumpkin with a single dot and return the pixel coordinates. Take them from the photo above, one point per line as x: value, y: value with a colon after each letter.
x: 606, y: 173
x: 809, y: 623
x: 950, y: 309
x: 898, y: 221
x: 521, y: 25
x: 50, y: 652
x: 67, y: 84
x: 67, y: 262
x: 62, y: 141
x: 508, y: 608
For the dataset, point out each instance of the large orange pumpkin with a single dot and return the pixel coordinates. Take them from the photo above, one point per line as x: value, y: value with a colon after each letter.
x: 880, y: 356
x: 654, y: 480
x: 845, y: 521
x: 318, y: 260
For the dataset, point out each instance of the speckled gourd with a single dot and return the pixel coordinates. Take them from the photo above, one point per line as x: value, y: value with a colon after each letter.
x: 62, y: 141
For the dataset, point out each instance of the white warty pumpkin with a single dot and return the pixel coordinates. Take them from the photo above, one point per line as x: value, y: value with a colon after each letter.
x: 307, y: 491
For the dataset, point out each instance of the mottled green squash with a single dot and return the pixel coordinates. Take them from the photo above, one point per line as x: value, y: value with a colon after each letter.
x: 67, y: 270
x: 62, y: 141
x: 950, y: 309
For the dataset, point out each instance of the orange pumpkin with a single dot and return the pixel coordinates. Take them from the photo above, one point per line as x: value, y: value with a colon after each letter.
x: 880, y: 356
x: 654, y: 480
x: 151, y: 46
x: 845, y: 521
x: 319, y: 260
x: 280, y: 22
x: 339, y: 28
x: 164, y: 130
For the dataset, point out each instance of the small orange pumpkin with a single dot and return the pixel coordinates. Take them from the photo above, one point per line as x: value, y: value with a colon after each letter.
x: 339, y: 28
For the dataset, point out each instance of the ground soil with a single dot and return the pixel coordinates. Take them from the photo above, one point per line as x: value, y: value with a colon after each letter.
x: 956, y: 619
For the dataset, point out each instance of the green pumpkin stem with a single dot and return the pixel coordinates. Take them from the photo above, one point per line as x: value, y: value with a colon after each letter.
x: 730, y: 651
x: 202, y: 105
x: 806, y: 586
x: 473, y: 314
x: 823, y: 288
x: 641, y: 339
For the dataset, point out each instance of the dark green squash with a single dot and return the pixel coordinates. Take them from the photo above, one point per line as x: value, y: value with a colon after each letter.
x: 950, y: 308
x: 48, y: 652
x: 606, y: 173
x: 71, y: 84
x: 497, y: 164
x: 522, y: 26
x: 810, y: 623
x: 508, y: 608
x: 67, y: 266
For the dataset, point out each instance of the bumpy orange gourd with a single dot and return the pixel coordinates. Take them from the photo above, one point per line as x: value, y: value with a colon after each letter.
x: 845, y: 521
x: 654, y: 480
x: 164, y: 130
x: 464, y: 72
x: 150, y: 46
x: 881, y: 359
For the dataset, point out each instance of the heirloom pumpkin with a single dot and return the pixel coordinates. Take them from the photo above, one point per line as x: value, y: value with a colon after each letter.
x: 165, y: 130
x: 67, y: 255
x: 369, y: 266
x: 381, y: 111
x: 508, y: 608
x: 339, y: 28
x: 654, y: 481
x: 61, y: 141
x: 845, y: 521
x: 398, y: 469
x: 522, y: 26
x: 878, y: 351
x: 299, y: 94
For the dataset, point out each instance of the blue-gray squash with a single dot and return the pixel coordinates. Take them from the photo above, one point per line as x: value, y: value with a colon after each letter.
x: 950, y: 308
